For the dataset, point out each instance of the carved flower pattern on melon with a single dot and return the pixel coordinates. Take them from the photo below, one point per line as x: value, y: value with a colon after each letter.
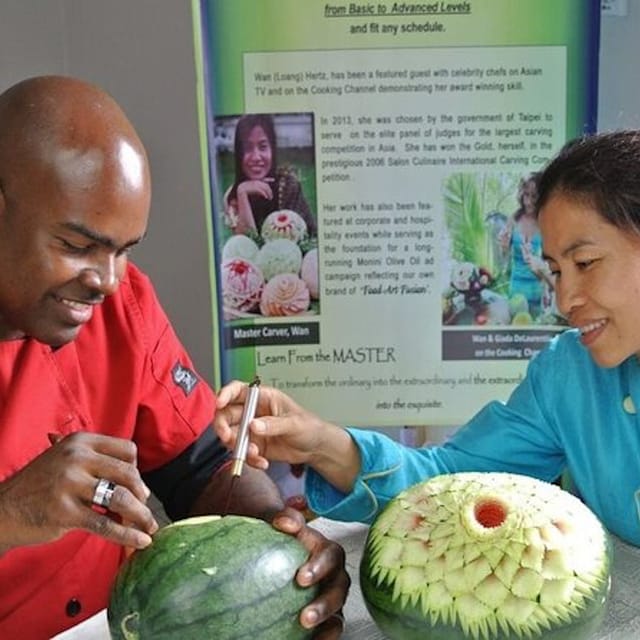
x: 242, y: 283
x: 491, y: 553
x: 284, y: 295
x: 279, y: 256
x: 284, y: 224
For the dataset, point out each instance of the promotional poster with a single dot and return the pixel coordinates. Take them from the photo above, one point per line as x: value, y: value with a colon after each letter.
x: 372, y: 171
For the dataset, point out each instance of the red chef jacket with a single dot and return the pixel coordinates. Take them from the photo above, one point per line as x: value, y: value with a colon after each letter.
x: 126, y: 375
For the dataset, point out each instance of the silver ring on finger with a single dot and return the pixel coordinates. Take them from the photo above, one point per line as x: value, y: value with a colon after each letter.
x: 103, y: 493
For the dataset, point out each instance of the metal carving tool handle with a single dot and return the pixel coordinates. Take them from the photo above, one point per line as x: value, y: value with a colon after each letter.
x: 242, y: 442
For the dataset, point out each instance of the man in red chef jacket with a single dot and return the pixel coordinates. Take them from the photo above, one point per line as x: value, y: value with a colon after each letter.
x: 99, y: 402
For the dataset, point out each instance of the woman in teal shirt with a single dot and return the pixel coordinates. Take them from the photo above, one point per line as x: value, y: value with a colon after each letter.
x: 576, y: 408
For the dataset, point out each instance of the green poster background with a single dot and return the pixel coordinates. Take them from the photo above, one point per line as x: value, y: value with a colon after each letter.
x: 374, y: 360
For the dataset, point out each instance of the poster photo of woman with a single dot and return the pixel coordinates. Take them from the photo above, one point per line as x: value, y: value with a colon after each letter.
x: 267, y: 224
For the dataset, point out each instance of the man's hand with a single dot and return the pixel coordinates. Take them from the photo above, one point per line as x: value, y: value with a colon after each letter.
x: 326, y: 567
x: 53, y: 494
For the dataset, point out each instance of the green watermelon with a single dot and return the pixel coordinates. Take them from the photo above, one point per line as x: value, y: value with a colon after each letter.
x: 217, y: 577
x: 486, y: 556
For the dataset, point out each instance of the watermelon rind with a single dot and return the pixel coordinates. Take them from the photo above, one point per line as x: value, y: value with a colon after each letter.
x: 227, y: 578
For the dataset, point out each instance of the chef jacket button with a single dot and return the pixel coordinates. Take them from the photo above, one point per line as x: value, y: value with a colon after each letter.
x: 73, y: 607
x: 628, y: 405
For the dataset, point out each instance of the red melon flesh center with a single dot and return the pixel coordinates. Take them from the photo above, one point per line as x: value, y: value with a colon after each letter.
x: 490, y: 513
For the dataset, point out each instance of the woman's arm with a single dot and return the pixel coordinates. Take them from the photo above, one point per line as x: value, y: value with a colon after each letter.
x: 353, y: 473
x: 244, y: 218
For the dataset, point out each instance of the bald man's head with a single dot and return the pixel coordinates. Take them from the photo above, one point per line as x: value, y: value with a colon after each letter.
x: 70, y: 127
x: 74, y: 197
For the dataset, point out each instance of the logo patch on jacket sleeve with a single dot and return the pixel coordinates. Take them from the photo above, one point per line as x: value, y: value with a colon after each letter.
x: 184, y: 378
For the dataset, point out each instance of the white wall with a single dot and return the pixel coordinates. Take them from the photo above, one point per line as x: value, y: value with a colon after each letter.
x: 619, y: 81
x: 141, y: 51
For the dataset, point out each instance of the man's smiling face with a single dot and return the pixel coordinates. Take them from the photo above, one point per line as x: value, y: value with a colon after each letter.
x: 72, y: 204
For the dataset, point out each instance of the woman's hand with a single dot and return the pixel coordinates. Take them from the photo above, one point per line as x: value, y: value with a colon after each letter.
x: 325, y: 567
x: 504, y: 237
x: 260, y: 188
x: 285, y: 431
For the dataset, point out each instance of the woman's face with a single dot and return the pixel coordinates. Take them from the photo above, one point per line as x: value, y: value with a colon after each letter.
x: 597, y: 277
x: 257, y: 155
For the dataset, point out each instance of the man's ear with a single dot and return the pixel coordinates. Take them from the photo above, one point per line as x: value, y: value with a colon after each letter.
x: 2, y: 201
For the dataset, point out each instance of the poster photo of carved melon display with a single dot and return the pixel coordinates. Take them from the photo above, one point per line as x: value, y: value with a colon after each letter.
x: 268, y: 231
x: 372, y: 173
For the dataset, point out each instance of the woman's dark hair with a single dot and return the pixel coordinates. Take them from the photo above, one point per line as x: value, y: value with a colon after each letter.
x: 243, y: 128
x: 601, y: 170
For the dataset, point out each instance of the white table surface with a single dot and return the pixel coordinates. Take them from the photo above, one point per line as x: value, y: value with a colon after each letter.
x: 622, y: 621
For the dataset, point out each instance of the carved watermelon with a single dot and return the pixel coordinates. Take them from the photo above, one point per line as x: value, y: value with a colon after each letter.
x: 486, y: 556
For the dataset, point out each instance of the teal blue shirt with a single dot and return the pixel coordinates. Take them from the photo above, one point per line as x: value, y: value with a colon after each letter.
x: 567, y: 414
